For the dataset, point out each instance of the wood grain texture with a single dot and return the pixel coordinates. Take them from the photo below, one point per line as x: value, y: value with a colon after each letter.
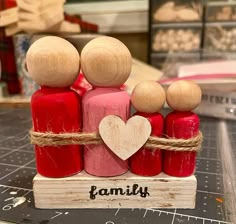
x: 48, y: 17
x: 33, y: 8
x: 79, y: 191
x: 106, y: 62
x: 148, y: 97
x: 8, y: 16
x: 38, y: 6
x: 12, y: 29
x: 184, y: 95
x: 124, y: 139
x: 53, y: 61
x: 65, y: 27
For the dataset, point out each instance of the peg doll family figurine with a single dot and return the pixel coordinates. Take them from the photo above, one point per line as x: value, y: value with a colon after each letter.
x: 106, y: 64
x: 182, y: 97
x: 59, y: 112
x: 148, y: 99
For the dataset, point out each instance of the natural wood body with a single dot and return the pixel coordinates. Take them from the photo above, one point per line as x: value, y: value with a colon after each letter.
x: 79, y: 191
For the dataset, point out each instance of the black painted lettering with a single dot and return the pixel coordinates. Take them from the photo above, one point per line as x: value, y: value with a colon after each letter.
x: 103, y: 191
x: 92, y: 192
x: 144, y: 193
x: 134, y: 190
x: 135, y: 187
x: 117, y: 191
x: 128, y: 191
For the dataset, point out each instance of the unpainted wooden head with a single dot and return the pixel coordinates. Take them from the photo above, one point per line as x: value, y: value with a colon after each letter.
x: 148, y: 97
x: 106, y: 62
x: 184, y: 95
x: 53, y: 61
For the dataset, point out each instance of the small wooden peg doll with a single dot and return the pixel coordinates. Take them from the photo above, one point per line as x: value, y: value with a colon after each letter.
x: 148, y: 98
x: 54, y: 64
x: 106, y: 64
x: 182, y: 97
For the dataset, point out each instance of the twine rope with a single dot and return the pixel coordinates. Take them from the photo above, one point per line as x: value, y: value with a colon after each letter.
x: 80, y: 138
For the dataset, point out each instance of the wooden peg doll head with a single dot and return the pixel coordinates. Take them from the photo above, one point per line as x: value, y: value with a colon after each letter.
x: 106, y: 62
x: 184, y: 95
x: 148, y: 97
x: 53, y: 62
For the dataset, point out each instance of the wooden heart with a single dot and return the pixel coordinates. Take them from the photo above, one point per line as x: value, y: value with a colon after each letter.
x: 124, y: 139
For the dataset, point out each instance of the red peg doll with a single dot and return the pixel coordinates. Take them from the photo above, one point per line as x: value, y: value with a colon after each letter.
x: 54, y: 64
x: 182, y: 97
x: 148, y: 99
x: 106, y: 64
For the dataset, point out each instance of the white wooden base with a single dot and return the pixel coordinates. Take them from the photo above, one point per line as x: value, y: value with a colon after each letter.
x: 125, y: 191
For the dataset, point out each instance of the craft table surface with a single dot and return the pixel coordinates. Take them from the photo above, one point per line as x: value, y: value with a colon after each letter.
x: 17, y: 169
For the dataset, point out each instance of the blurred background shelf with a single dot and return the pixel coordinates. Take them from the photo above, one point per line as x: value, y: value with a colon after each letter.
x: 113, y: 16
x: 15, y: 101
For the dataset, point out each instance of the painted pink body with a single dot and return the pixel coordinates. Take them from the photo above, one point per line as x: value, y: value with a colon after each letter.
x: 99, y: 160
x: 183, y: 125
x: 148, y: 162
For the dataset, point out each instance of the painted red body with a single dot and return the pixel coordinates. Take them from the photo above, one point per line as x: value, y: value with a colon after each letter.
x: 57, y: 110
x: 183, y: 125
x: 148, y: 162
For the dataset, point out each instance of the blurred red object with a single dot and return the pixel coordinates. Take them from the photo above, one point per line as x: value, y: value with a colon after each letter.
x: 81, y: 85
x: 10, y: 3
x: 7, y: 57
